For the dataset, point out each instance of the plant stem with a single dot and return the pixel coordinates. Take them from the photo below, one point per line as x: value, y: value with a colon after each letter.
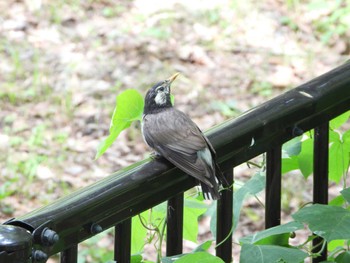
x: 161, y: 235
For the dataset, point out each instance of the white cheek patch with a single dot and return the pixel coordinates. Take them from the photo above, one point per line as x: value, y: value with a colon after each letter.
x: 160, y: 99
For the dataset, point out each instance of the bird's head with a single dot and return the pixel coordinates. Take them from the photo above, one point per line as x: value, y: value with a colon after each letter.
x: 158, y: 97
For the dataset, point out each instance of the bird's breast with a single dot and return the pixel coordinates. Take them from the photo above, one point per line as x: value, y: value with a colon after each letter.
x: 143, y: 128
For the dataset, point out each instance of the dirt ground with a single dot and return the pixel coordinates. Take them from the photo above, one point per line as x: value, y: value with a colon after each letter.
x: 63, y: 63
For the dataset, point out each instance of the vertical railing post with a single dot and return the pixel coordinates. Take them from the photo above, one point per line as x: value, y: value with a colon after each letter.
x: 15, y: 244
x: 320, y: 187
x: 224, y: 220
x: 174, y: 225
x: 122, y: 242
x: 69, y: 255
x: 273, y: 187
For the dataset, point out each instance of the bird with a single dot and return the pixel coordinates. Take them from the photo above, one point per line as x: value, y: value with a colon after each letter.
x: 173, y: 135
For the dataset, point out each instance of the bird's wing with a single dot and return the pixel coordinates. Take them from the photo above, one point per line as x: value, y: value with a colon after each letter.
x: 177, y: 138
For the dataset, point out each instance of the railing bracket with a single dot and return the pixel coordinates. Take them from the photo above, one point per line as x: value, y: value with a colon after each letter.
x: 45, y: 235
x: 296, y: 131
x: 39, y: 256
x: 49, y: 237
x: 95, y: 228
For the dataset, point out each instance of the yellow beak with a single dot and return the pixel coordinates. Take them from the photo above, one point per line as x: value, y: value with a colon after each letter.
x: 173, y: 77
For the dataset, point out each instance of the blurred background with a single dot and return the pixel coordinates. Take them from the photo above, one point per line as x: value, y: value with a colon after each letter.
x: 63, y: 62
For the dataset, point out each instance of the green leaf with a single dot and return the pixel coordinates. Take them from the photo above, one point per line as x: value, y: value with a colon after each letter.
x: 333, y: 136
x: 106, y: 143
x: 346, y: 194
x: 273, y: 234
x: 252, y: 187
x: 339, y: 121
x: 203, y: 257
x: 271, y: 254
x: 158, y: 214
x: 335, y: 244
x: 305, y: 157
x: 337, y: 201
x: 129, y: 108
x: 191, y: 214
x: 136, y: 258
x: 338, y: 157
x: 292, y: 147
x: 289, y: 164
x: 201, y: 248
x: 160, y: 208
x: 278, y: 240
x: 171, y: 259
x: 290, y: 152
x: 329, y: 222
x: 139, y: 233
x: 343, y: 257
x: 346, y: 136
x: 204, y: 246
x: 195, y: 203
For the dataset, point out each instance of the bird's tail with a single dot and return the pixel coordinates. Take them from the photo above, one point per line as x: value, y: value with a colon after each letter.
x: 210, y: 193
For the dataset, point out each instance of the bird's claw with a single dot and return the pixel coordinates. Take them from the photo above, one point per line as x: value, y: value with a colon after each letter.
x: 155, y: 155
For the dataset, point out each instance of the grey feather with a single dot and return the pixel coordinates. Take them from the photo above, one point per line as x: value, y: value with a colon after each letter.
x: 172, y: 134
x: 177, y: 138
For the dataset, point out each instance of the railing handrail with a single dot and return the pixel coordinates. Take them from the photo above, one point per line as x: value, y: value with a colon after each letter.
x: 150, y: 182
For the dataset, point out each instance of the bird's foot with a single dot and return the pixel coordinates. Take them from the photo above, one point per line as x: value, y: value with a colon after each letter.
x: 155, y: 155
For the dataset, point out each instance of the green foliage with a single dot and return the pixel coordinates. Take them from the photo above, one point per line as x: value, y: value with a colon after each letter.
x: 136, y: 259
x: 228, y: 108
x: 271, y: 245
x: 305, y: 157
x: 337, y: 122
x: 343, y: 257
x: 274, y: 235
x: 129, y: 108
x: 138, y: 233
x: 89, y: 251
x: 199, y: 254
x: 292, y: 147
x: 252, y: 187
x: 271, y: 253
x: 320, y: 219
x: 298, y: 153
x: 192, y: 210
x: 149, y: 226
x: 346, y: 194
x: 203, y: 257
x: 336, y: 20
x: 263, y: 88
x: 203, y: 247
x: 338, y: 155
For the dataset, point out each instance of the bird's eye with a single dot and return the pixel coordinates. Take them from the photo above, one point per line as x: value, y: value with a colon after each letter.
x: 161, y: 88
